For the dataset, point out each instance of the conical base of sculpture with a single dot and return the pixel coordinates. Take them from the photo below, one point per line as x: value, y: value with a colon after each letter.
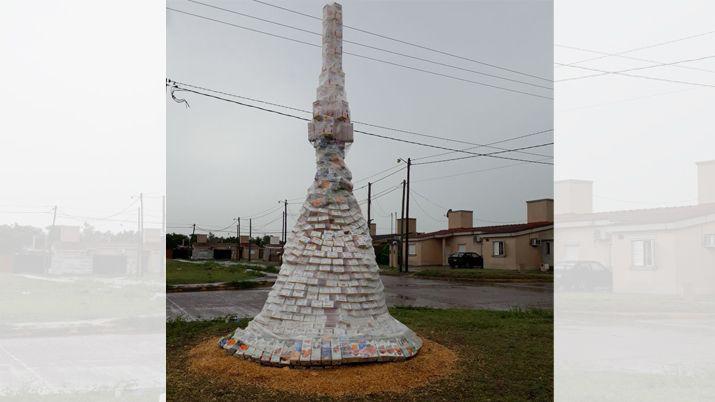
x: 327, y: 306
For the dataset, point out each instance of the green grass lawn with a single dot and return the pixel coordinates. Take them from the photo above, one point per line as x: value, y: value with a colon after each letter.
x: 52, y: 298
x: 474, y: 275
x: 504, y: 356
x: 182, y: 272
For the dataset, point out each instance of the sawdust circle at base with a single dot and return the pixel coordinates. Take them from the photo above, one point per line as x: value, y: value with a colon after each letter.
x: 434, y: 362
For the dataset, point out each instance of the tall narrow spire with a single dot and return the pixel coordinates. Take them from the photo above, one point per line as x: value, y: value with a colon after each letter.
x: 327, y: 305
x: 331, y: 114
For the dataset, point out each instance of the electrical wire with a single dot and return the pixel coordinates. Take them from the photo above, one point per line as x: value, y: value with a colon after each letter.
x: 476, y: 145
x: 366, y: 57
x: 382, y: 178
x: 469, y: 172
x: 425, y: 211
x: 640, y: 48
x: 409, y: 43
x: 375, y: 174
x: 474, y: 156
x: 412, y: 190
x: 490, y: 155
x: 638, y: 76
x: 674, y: 63
x: 624, y: 56
x: 490, y: 144
x: 370, y: 46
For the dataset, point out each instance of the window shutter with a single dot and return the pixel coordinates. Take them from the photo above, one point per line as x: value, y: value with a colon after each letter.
x: 638, y: 253
x: 648, y: 246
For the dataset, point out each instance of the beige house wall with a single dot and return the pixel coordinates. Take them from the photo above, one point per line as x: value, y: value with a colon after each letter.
x: 573, y: 197
x: 427, y: 252
x: 682, y: 265
x: 254, y: 252
x: 411, y: 225
x: 460, y: 219
x: 706, y: 178
x: 697, y: 268
x: 581, y: 244
x: 540, y: 210
x: 508, y: 261
x: 520, y: 254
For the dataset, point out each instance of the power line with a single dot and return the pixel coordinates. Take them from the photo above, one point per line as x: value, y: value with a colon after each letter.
x: 382, y: 193
x: 637, y: 75
x: 424, y: 210
x: 490, y: 145
x: 382, y: 178
x: 26, y: 212
x: 267, y: 212
x: 365, y: 57
x: 477, y: 145
x: 89, y: 218
x: 217, y: 230
x: 469, y: 172
x: 674, y: 63
x: 445, y: 209
x: 430, y: 201
x: 103, y: 218
x: 474, y: 156
x: 410, y: 44
x: 490, y: 155
x: 375, y: 174
x: 624, y: 56
x: 639, y: 48
x: 386, y: 192
x: 370, y: 46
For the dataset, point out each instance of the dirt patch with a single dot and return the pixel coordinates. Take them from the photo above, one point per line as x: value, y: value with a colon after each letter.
x: 432, y: 363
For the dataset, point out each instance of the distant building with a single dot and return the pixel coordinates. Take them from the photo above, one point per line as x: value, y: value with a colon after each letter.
x: 522, y: 246
x: 656, y: 250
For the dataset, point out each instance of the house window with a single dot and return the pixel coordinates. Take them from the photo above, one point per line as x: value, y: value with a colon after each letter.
x: 547, y: 248
x: 709, y: 240
x: 498, y: 248
x: 412, y: 249
x: 462, y: 248
x: 643, y: 252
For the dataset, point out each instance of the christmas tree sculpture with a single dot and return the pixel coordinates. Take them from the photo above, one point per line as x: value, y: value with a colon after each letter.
x: 327, y: 306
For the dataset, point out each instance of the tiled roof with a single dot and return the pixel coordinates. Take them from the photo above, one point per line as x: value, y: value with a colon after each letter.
x: 643, y: 216
x: 486, y: 230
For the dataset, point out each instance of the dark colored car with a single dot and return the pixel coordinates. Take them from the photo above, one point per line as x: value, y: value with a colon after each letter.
x: 583, y: 276
x: 466, y: 260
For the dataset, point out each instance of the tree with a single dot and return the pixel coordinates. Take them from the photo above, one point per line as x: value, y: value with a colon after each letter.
x: 174, y: 240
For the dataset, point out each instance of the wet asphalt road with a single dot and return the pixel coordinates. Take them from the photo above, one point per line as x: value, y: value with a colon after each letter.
x: 399, y: 291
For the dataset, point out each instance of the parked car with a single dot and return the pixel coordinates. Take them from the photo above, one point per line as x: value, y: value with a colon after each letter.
x: 583, y: 276
x: 466, y: 260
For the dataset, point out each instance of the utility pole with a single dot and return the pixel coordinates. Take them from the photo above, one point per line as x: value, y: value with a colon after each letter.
x: 238, y: 239
x: 191, y: 240
x: 250, y: 228
x: 49, y: 239
x: 407, y: 216
x: 285, y: 221
x: 141, y: 234
x: 139, y: 241
x: 163, y: 214
x: 402, y: 228
x: 369, y: 204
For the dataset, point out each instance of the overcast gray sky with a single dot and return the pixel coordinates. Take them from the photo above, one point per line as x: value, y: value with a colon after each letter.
x: 225, y: 160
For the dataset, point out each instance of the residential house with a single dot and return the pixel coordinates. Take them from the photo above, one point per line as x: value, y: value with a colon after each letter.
x: 521, y: 246
x: 667, y: 250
